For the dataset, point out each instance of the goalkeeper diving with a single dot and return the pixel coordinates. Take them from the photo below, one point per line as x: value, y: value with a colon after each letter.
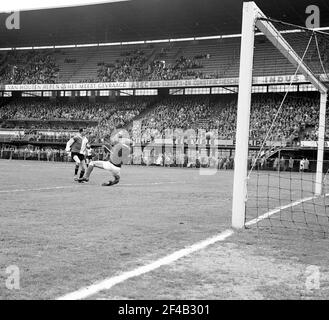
x: 117, y: 154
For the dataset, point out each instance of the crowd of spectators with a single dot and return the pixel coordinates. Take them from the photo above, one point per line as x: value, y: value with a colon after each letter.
x: 99, y: 119
x: 129, y: 68
x: 28, y: 67
x: 33, y: 153
x: 38, y: 67
x: 296, y: 120
x: 29, y: 109
x: 296, y: 117
x: 140, y: 64
x: 117, y: 120
x: 183, y: 68
x: 185, y: 113
x: 134, y: 66
x: 196, y: 160
x: 137, y: 157
x: 47, y: 110
x: 292, y: 119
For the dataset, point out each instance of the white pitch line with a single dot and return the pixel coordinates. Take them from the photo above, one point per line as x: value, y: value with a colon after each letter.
x: 276, y: 210
x: 37, y: 189
x: 75, y: 186
x: 110, y: 282
x: 149, y: 184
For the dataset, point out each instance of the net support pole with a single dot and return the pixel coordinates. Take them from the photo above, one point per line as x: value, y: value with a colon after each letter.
x: 250, y: 11
x: 321, y: 134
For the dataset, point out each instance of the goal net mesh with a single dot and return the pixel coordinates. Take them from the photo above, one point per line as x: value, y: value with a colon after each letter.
x: 284, y: 127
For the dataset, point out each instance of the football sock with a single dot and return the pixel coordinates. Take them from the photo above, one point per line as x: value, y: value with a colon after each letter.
x: 89, y: 170
x: 82, y: 173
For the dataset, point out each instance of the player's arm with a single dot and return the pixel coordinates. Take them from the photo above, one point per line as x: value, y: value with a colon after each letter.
x: 83, y: 149
x: 107, y: 150
x: 69, y: 144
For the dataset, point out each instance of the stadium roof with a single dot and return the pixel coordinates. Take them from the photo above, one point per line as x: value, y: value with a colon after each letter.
x: 136, y: 20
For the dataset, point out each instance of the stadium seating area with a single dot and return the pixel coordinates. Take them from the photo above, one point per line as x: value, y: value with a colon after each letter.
x: 296, y: 120
x: 65, y: 110
x: 162, y: 61
x: 220, y: 114
x: 135, y: 67
x: 99, y: 118
x: 28, y: 67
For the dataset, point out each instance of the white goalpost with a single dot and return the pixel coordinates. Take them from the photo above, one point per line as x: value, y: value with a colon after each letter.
x: 254, y: 18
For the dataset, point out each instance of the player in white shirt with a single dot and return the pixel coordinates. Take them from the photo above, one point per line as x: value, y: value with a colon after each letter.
x: 89, y: 154
x: 77, y: 147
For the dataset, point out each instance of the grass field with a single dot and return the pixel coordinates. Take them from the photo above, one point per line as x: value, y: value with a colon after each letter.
x: 64, y: 236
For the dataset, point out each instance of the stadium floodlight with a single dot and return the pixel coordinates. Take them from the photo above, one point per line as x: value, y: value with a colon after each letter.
x: 23, y: 5
x: 254, y: 18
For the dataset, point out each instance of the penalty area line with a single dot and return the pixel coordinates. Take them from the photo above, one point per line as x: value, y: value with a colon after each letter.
x: 108, y: 283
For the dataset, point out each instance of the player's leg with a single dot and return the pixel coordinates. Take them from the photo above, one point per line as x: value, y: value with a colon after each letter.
x: 76, y: 170
x: 87, y: 161
x: 112, y: 182
x: 115, y: 171
x: 77, y: 166
x: 92, y: 165
x: 83, y: 167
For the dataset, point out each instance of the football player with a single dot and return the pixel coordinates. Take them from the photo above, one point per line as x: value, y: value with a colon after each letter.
x: 77, y: 147
x: 117, y: 155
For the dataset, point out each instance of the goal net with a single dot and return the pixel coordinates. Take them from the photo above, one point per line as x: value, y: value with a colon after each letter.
x: 280, y: 179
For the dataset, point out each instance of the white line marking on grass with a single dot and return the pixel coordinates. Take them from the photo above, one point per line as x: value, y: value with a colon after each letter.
x: 110, y: 282
x: 37, y: 189
x: 149, y: 184
x: 76, y: 186
x: 276, y: 210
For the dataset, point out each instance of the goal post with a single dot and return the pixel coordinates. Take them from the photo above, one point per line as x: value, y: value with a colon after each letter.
x: 244, y: 102
x: 320, y: 155
x: 254, y: 18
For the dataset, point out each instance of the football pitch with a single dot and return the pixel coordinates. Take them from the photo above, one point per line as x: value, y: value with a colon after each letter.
x: 64, y: 236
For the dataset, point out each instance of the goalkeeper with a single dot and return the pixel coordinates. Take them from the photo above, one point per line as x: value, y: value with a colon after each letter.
x: 117, y: 154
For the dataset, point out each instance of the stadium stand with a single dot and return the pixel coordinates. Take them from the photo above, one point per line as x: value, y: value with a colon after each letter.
x: 297, y: 121
x: 28, y: 67
x: 179, y: 60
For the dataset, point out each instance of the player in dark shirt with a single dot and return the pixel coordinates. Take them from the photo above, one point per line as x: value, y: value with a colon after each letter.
x: 117, y: 154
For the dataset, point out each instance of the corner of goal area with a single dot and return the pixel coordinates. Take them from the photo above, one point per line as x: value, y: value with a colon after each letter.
x: 109, y: 283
